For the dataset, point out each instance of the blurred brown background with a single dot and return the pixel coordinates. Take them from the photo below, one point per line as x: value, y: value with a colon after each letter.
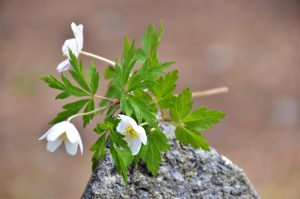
x: 251, y: 46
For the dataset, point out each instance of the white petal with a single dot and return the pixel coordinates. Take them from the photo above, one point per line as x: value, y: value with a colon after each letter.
x: 135, y: 145
x: 56, y: 131
x: 63, y: 66
x: 122, y: 126
x: 72, y: 45
x: 72, y: 133
x: 53, y: 145
x: 80, y: 146
x: 71, y: 148
x: 43, y: 136
x: 142, y: 134
x: 128, y: 119
x: 78, y: 33
x: 46, y: 134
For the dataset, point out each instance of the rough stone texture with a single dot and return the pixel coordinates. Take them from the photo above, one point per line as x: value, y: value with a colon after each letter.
x: 184, y: 173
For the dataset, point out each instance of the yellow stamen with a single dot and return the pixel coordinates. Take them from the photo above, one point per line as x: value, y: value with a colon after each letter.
x: 131, y: 132
x: 63, y: 136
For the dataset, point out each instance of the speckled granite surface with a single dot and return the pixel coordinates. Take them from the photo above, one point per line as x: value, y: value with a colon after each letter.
x: 184, y: 173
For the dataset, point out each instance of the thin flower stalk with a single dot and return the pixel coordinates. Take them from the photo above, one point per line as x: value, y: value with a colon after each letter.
x: 110, y: 62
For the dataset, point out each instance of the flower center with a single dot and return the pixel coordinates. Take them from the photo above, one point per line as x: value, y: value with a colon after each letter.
x: 130, y: 132
x: 63, y: 136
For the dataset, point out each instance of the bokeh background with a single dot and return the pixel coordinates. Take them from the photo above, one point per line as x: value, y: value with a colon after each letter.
x: 250, y: 46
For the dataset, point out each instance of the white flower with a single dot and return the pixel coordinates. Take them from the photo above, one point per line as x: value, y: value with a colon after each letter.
x: 63, y: 132
x: 74, y: 44
x: 134, y: 134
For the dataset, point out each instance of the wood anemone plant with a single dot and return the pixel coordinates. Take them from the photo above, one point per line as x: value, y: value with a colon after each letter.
x: 139, y: 88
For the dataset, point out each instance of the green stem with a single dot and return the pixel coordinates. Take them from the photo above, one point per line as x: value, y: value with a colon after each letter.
x: 143, y: 124
x: 90, y: 112
x: 106, y: 98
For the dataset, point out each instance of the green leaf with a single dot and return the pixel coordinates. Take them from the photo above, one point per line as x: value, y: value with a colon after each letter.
x: 93, y: 78
x: 141, y: 94
x: 53, y: 83
x: 121, y: 154
x: 165, y: 84
x: 102, y: 127
x: 144, y: 77
x: 140, y: 85
x: 202, y: 118
x: 140, y: 56
x: 182, y: 106
x: 164, y: 89
x: 66, y: 86
x: 151, y: 153
x: 112, y: 92
x: 89, y: 107
x: 63, y: 116
x: 109, y: 72
x: 71, y: 89
x: 125, y: 105
x: 118, y: 139
x: 76, y: 105
x: 63, y: 95
x: 151, y: 40
x: 80, y: 80
x: 71, y: 109
x: 99, y: 150
x: 77, y: 72
x: 127, y: 62
x: 142, y: 110
x: 73, y: 61
x: 122, y: 159
x: 188, y: 136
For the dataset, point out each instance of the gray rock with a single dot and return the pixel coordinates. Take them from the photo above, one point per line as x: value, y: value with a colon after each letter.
x: 185, y: 173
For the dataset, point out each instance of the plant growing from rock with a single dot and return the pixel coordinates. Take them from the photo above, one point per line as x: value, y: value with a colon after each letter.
x: 140, y: 95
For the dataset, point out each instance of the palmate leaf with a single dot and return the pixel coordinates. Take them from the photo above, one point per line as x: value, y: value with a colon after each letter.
x: 63, y: 95
x: 89, y: 107
x: 125, y: 106
x: 80, y: 80
x: 182, y: 105
x: 98, y: 148
x: 164, y: 88
x: 202, y: 118
x: 67, y: 88
x: 121, y: 154
x: 70, y: 88
x: 188, y: 124
x: 165, y: 84
x: 77, y: 72
x: 87, y: 88
x: 70, y: 109
x: 124, y: 67
x: 151, y: 153
x: 151, y: 40
x: 93, y: 77
x: 188, y: 136
x: 122, y: 159
x: 142, y: 110
x: 53, y: 83
x: 150, y: 68
x: 145, y: 77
